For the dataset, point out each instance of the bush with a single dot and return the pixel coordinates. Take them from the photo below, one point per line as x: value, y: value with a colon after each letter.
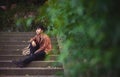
x: 19, y: 15
x: 90, y: 36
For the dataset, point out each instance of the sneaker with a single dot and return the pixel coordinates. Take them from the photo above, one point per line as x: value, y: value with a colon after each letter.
x: 18, y: 64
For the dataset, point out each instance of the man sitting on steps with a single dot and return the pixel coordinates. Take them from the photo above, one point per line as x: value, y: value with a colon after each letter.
x: 40, y: 45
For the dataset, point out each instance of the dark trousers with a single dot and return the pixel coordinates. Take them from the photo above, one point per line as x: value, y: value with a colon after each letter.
x: 32, y: 57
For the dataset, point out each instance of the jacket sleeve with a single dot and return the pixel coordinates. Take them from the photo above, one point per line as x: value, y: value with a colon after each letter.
x: 44, y: 43
x: 33, y: 39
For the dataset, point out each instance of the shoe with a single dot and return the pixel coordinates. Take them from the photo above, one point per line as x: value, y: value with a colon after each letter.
x: 18, y: 64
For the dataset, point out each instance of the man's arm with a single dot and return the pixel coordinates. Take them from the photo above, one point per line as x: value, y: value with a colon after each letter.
x: 43, y: 45
x: 33, y: 39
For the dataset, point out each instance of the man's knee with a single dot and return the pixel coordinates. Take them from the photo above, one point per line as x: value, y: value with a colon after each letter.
x: 33, y: 43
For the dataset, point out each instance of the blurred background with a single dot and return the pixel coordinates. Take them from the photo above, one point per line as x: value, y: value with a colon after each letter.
x: 88, y: 31
x: 19, y: 15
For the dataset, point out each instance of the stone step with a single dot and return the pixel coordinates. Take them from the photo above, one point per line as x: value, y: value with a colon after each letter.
x: 15, y: 38
x: 19, y: 42
x: 30, y: 71
x: 26, y: 36
x: 18, y: 51
x: 31, y: 76
x: 14, y: 42
x: 21, y: 37
x: 17, y: 57
x: 17, y: 46
x: 11, y: 51
x: 48, y: 64
x: 7, y: 39
x: 17, y: 33
x: 12, y: 46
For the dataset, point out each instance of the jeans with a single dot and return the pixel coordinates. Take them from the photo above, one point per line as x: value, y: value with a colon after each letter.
x: 32, y: 57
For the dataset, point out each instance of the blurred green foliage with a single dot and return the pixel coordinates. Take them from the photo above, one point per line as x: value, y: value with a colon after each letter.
x: 19, y: 15
x: 89, y: 35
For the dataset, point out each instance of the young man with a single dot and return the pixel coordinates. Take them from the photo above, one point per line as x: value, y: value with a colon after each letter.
x: 40, y: 45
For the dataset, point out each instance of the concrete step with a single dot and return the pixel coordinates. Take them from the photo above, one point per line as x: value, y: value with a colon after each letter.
x: 18, y: 36
x: 18, y: 51
x: 19, y: 42
x: 17, y: 57
x: 48, y: 64
x: 31, y: 76
x: 17, y: 33
x: 12, y: 46
x: 30, y: 71
x: 14, y: 43
x: 11, y: 51
x: 2, y: 38
x: 18, y: 46
x: 15, y: 38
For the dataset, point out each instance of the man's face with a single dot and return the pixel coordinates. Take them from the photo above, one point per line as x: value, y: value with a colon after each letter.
x: 39, y: 30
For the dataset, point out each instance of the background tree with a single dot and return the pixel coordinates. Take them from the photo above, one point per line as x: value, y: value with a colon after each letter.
x: 19, y: 15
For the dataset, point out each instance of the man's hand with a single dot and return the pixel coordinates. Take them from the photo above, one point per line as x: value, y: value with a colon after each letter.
x: 39, y: 51
x: 36, y: 52
x: 33, y: 43
x: 31, y: 40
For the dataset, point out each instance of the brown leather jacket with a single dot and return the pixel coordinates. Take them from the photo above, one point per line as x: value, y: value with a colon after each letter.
x: 43, y: 41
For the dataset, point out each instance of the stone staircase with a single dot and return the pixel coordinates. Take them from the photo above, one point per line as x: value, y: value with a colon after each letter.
x: 11, y: 44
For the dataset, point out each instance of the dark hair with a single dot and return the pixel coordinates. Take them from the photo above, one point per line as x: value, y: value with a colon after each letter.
x: 42, y: 27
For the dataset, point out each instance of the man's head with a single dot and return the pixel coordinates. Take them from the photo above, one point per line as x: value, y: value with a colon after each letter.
x: 40, y: 29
